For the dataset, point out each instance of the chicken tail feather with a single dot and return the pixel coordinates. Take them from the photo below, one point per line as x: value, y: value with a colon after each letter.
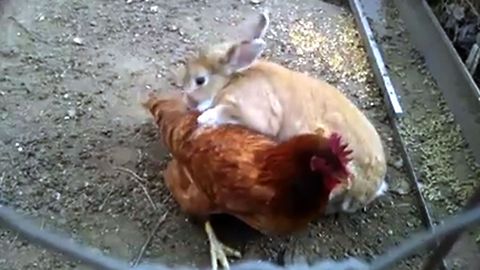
x: 312, y: 166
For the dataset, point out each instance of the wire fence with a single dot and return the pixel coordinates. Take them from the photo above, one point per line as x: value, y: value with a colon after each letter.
x: 451, y: 230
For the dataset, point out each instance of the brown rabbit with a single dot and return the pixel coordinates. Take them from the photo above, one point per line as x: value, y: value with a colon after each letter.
x: 229, y: 84
x: 206, y: 72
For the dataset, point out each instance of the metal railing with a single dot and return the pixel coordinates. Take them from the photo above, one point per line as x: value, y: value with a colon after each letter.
x: 450, y: 230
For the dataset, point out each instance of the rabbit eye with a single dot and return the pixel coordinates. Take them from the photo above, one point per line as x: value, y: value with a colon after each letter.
x: 200, y: 80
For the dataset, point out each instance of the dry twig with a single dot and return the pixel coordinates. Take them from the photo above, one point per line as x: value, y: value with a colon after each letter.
x: 13, y: 241
x: 139, y: 181
x: 1, y: 179
x: 106, y: 199
x: 32, y: 35
x: 149, y: 239
x: 473, y: 8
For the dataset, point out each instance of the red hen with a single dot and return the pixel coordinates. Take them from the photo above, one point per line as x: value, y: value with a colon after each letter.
x: 276, y: 188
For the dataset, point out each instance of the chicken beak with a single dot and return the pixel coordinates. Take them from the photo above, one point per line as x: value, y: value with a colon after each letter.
x: 348, y: 181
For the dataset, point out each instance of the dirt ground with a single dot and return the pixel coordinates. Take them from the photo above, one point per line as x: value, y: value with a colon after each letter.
x: 72, y: 131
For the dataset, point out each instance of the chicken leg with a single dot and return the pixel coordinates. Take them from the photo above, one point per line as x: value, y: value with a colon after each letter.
x: 219, y: 251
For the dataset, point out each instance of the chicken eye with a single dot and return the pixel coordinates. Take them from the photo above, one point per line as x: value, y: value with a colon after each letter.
x: 200, y: 80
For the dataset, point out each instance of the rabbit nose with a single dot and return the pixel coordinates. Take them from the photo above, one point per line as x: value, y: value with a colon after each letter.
x: 191, y: 102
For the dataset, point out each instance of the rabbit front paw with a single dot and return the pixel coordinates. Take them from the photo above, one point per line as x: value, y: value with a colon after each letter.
x: 216, y: 116
x: 209, y: 117
x: 204, y: 105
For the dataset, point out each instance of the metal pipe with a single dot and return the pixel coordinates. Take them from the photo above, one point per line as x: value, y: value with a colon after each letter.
x: 372, y: 46
x: 69, y: 248
x: 96, y: 260
x: 447, y: 243
x: 379, y: 67
x: 421, y: 240
x: 452, y: 76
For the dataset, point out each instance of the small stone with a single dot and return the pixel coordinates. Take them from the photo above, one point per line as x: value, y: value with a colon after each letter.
x: 172, y: 28
x: 401, y: 188
x: 71, y: 113
x: 78, y: 41
x: 256, y: 2
x: 398, y: 164
x: 390, y: 232
x: 154, y: 9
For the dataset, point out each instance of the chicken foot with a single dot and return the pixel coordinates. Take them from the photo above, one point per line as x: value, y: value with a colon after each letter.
x: 219, y: 251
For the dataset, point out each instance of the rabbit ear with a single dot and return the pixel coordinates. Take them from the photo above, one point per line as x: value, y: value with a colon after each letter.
x: 240, y: 56
x: 254, y: 27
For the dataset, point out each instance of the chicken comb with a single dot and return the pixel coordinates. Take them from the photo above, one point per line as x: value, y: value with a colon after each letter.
x: 339, y: 149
